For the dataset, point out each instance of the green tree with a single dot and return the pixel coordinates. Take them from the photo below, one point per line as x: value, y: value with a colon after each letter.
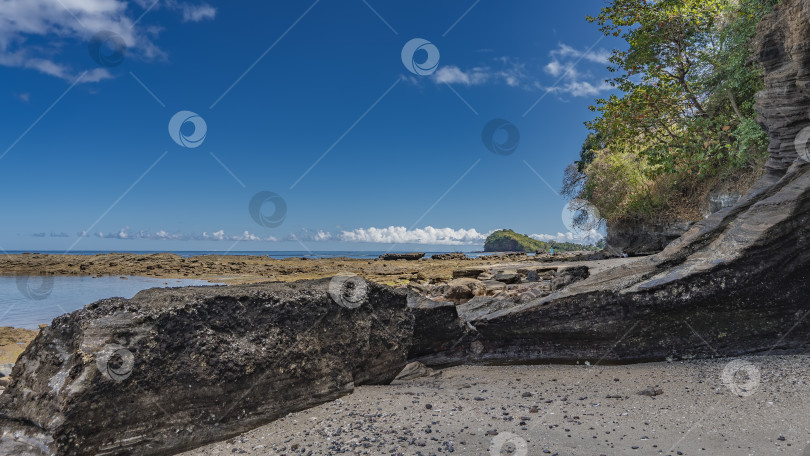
x: 685, y: 111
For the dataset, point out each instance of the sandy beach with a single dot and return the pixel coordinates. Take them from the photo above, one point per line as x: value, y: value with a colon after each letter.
x: 688, y: 408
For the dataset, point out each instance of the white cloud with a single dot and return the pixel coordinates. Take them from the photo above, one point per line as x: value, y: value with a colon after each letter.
x: 402, y: 235
x: 580, y: 88
x: 163, y: 235
x: 454, y: 75
x: 197, y: 13
x: 564, y: 64
x: 506, y: 70
x: 322, y: 236
x: 564, y: 51
x: 59, y: 21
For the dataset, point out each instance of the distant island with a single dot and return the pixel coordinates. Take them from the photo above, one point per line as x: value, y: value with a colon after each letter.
x: 510, y: 241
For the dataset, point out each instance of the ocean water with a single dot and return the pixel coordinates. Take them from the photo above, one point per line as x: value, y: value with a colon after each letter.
x: 272, y: 254
x: 27, y: 302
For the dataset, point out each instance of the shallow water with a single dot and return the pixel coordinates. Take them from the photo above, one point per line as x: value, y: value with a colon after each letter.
x: 27, y: 302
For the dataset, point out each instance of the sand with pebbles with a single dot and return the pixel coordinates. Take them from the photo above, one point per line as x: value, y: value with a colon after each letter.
x: 759, y: 407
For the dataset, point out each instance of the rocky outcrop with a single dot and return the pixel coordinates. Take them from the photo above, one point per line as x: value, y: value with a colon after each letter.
x: 638, y: 239
x: 737, y: 282
x: 449, y: 256
x: 402, y: 256
x: 459, y: 290
x: 176, y: 368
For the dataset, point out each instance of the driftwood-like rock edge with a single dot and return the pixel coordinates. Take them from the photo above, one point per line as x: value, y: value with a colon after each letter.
x: 173, y: 369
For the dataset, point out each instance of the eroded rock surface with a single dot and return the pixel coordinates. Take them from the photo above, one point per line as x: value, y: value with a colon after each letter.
x: 176, y: 368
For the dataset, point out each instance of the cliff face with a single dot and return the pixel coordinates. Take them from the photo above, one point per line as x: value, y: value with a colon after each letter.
x: 737, y: 282
x: 783, y: 43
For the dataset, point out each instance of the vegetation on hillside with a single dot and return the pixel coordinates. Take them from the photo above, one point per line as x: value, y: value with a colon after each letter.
x: 684, y: 121
x: 510, y: 241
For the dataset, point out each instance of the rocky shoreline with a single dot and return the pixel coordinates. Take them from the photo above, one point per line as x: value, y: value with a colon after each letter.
x: 235, y: 269
x: 176, y: 369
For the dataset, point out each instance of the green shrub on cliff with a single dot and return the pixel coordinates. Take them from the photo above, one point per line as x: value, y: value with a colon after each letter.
x: 684, y: 121
x: 509, y: 241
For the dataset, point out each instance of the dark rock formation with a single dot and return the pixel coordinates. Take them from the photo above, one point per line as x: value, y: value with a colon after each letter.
x: 176, y: 368
x: 568, y: 276
x: 469, y: 272
x: 637, y: 239
x: 449, y: 256
x: 459, y: 290
x: 719, y: 200
x: 436, y: 326
x: 402, y: 256
x: 508, y: 277
x: 736, y: 283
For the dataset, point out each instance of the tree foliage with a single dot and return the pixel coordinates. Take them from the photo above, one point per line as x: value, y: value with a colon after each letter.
x: 684, y: 113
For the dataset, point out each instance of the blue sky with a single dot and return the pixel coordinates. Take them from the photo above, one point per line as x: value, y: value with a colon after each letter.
x: 306, y: 100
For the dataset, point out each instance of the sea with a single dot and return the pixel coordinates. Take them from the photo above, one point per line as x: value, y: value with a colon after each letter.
x: 28, y: 301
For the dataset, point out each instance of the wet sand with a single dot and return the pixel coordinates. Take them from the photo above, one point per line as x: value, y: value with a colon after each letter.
x: 562, y: 410
x: 13, y: 341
